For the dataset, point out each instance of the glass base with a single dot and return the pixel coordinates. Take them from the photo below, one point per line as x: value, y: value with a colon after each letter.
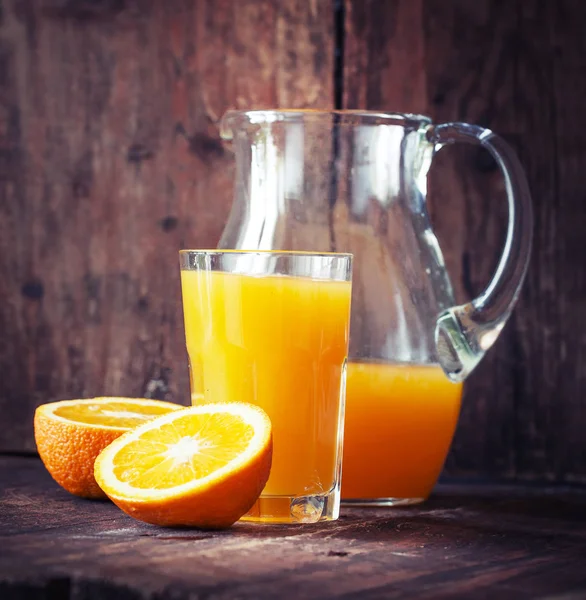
x: 294, y: 509
x: 381, y: 501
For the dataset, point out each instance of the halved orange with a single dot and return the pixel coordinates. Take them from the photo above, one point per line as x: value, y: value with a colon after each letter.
x: 71, y: 433
x: 203, y: 466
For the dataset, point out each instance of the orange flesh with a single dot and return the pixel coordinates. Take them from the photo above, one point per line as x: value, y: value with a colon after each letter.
x: 189, y: 448
x: 111, y: 414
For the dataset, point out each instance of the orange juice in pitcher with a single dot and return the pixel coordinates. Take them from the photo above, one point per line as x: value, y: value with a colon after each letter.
x: 400, y: 420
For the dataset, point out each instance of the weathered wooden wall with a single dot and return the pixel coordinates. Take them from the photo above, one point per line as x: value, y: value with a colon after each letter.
x: 110, y: 161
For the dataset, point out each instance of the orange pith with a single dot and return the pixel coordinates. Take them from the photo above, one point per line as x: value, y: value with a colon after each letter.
x: 70, y: 434
x: 203, y: 466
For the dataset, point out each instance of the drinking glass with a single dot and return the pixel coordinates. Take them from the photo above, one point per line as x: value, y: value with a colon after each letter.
x: 271, y: 329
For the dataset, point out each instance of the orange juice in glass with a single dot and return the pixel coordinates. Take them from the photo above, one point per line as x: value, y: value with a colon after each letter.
x: 400, y: 420
x: 271, y: 329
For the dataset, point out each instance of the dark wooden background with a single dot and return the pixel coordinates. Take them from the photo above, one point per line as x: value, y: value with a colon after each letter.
x: 110, y: 162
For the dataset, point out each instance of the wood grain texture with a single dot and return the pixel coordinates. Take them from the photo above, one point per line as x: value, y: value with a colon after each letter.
x: 477, y: 541
x: 518, y: 68
x: 110, y: 162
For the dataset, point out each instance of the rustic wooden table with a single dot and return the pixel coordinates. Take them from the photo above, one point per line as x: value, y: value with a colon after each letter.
x: 468, y: 541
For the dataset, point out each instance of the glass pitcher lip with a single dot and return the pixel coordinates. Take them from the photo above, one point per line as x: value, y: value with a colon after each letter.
x: 233, y: 118
x: 282, y: 252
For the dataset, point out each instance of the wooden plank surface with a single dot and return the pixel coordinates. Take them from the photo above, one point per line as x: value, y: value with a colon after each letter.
x: 467, y: 541
x: 516, y: 67
x: 110, y: 162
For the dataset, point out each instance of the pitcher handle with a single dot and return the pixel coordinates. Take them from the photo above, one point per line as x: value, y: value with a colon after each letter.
x: 464, y: 333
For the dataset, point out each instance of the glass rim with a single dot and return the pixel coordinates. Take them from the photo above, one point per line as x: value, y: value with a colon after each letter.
x: 301, y: 253
x: 295, y: 115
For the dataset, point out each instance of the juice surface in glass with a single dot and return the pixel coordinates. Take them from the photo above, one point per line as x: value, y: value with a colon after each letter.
x: 279, y: 342
x: 400, y: 420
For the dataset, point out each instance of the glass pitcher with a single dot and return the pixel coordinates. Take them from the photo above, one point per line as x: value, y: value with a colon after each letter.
x: 350, y: 181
